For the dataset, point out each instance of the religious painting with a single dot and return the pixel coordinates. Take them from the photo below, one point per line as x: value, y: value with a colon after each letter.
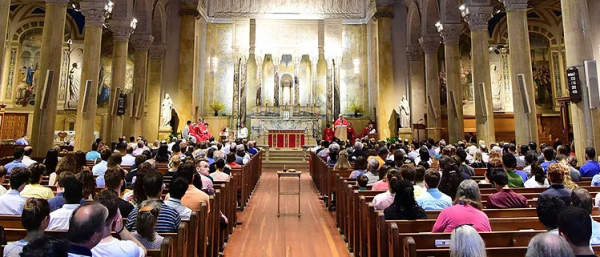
x: 28, y: 75
x: 74, y: 83
x: 543, y: 84
x: 105, y: 80
x: 466, y: 80
x: 543, y: 77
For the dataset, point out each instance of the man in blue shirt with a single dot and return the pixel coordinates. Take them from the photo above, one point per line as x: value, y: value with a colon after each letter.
x: 591, y: 167
x: 22, y: 141
x: 18, y: 160
x: 433, y: 199
x: 93, y: 154
x: 548, y: 158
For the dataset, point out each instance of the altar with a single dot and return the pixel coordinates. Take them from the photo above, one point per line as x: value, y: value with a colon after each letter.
x: 286, y: 138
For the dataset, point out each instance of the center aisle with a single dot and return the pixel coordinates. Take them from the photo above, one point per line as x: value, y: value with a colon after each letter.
x: 263, y: 234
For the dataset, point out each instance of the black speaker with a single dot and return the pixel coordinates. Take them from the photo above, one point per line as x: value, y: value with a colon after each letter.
x: 523, y: 91
x: 115, y: 98
x: 432, y: 108
x: 483, y: 99
x: 45, y: 90
x: 86, y: 95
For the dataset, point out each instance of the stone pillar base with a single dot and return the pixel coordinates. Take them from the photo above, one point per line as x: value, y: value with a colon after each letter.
x: 164, y: 133
x: 405, y: 133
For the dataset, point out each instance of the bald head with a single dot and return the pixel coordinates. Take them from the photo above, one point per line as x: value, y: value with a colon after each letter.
x: 548, y: 245
x: 28, y: 150
x: 580, y: 197
x: 87, y: 225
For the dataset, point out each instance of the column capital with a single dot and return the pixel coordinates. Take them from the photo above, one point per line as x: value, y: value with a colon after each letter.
x: 157, y: 51
x: 276, y: 60
x: 384, y: 13
x: 478, y: 17
x: 415, y: 52
x: 121, y: 29
x: 94, y: 12
x: 259, y: 60
x: 189, y: 10
x: 63, y: 2
x: 451, y: 33
x: 141, y: 42
x: 515, y: 4
x: 430, y: 43
x: 297, y: 59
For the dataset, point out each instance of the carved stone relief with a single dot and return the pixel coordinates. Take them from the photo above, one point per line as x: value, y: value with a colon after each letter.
x: 347, y: 9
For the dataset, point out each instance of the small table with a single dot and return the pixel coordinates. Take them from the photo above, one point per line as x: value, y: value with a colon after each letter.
x: 281, y: 174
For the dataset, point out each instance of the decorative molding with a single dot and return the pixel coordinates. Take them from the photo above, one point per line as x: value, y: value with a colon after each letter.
x: 340, y: 9
x: 121, y: 29
x: 62, y: 2
x: 141, y: 42
x: 515, y: 4
x: 451, y: 33
x: 430, y: 44
x: 94, y: 17
x: 478, y: 18
x: 157, y: 51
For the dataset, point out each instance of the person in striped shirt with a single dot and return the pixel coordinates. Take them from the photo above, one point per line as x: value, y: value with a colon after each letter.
x: 168, y: 217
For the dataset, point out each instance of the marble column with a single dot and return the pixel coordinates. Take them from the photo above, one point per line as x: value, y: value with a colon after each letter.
x: 153, y: 92
x: 276, y: 63
x: 451, y: 35
x: 4, y: 18
x: 336, y: 87
x: 431, y: 45
x: 526, y: 129
x: 314, y: 60
x: 386, y: 100
x: 329, y: 90
x: 121, y: 30
x: 297, y: 63
x: 243, y: 89
x: 184, y: 104
x: 578, y: 46
x: 235, y: 108
x: 259, y: 77
x: 44, y: 117
x: 477, y: 19
x: 86, y: 114
x: 141, y: 44
x: 417, y: 98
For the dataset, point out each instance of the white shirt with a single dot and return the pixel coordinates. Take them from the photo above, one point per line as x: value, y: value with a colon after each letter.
x: 383, y: 200
x: 99, y: 169
x: 485, y: 157
x: 14, y: 249
x: 115, y: 247
x: 3, y: 190
x: 128, y: 160
x: 184, y: 212
x: 531, y: 183
x: 59, y: 219
x: 170, y: 146
x: 11, y: 203
x: 27, y: 160
x: 243, y: 133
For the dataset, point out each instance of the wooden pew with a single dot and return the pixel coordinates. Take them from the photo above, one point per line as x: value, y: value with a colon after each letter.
x: 180, y: 239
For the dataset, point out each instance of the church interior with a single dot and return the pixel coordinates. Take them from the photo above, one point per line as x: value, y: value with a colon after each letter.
x: 283, y: 71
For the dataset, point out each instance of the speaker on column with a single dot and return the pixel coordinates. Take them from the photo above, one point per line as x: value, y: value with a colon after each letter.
x: 453, y: 104
x: 483, y: 99
x: 139, y: 104
x: 46, y: 90
x: 86, y: 95
x: 591, y: 78
x: 524, y: 95
x: 130, y: 104
x: 431, y: 107
x: 115, y: 100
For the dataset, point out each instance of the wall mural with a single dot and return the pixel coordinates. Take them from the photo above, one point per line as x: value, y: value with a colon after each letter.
x: 105, y: 78
x: 74, y: 79
x: 27, y: 78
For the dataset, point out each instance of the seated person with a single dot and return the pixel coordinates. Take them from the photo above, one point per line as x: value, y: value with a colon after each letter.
x: 360, y: 167
x: 11, y: 203
x: 35, y: 217
x: 177, y: 190
x: 548, y: 208
x: 404, y: 207
x: 35, y: 190
x: 407, y: 172
x: 362, y: 181
x: 575, y: 226
x: 47, y: 246
x: 466, y: 210
x: 433, y: 199
x: 506, y: 197
x: 2, y: 179
x: 58, y: 201
x: 114, y: 181
x: 59, y: 219
x: 581, y: 198
x: 384, y: 200
x: 219, y: 175
x: 556, y: 177
x: 146, y: 223
x: 168, y: 218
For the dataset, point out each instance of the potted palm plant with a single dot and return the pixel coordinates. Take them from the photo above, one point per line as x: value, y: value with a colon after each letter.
x: 217, y: 107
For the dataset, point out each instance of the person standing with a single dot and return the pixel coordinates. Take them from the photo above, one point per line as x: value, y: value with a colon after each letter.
x: 242, y: 132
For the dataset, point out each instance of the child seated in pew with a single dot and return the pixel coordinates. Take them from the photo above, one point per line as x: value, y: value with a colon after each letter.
x: 362, y: 182
x: 404, y: 207
x: 35, y: 218
x: 385, y: 199
x: 146, y: 222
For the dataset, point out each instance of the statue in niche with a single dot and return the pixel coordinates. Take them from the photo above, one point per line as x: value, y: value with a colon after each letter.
x: 496, y: 80
x: 404, y: 108
x: 74, y: 85
x: 259, y: 95
x: 166, y: 107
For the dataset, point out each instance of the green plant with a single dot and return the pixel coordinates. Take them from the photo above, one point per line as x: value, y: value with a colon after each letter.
x: 392, y: 140
x: 217, y: 106
x: 356, y: 107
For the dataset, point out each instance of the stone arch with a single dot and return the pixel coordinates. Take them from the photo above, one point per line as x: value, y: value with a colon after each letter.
x: 159, y: 25
x: 413, y: 24
x: 143, y: 13
x: 430, y: 16
x: 537, y: 28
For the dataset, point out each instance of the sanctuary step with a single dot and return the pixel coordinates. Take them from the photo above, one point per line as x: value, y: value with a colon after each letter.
x: 292, y: 159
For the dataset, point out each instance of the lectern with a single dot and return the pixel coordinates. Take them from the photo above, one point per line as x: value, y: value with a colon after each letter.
x: 341, y: 132
x: 417, y: 127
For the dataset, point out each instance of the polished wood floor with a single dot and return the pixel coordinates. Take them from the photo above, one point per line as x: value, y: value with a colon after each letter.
x: 264, y: 234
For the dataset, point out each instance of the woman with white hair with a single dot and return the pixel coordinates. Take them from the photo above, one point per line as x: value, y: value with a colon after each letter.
x: 466, y: 210
x: 465, y: 241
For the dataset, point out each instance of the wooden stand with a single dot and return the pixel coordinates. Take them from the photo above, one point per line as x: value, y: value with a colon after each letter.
x: 417, y: 127
x: 279, y: 193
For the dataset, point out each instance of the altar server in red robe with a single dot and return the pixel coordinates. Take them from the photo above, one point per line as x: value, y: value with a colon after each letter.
x: 341, y: 121
x: 351, y: 133
x: 193, y: 132
x: 206, y: 132
x: 365, y: 131
x: 328, y: 134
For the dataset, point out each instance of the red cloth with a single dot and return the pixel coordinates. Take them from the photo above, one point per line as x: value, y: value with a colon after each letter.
x: 193, y: 133
x: 328, y: 134
x: 342, y: 122
x: 351, y: 134
x: 364, y: 133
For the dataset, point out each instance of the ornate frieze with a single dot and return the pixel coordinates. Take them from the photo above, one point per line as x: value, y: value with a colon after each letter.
x: 343, y: 9
x: 515, y: 4
x: 121, y: 29
x: 478, y: 17
x: 94, y: 13
x: 157, y: 51
x: 430, y: 44
x: 451, y: 33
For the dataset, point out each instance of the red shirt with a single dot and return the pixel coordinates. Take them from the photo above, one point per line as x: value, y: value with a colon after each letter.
x: 328, y: 134
x: 505, y: 199
x: 456, y: 215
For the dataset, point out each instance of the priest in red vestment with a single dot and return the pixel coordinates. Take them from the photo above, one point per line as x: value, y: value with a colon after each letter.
x: 328, y: 134
x: 351, y: 133
x: 341, y: 121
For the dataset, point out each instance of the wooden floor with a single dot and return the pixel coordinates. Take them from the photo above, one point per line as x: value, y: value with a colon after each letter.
x: 264, y: 234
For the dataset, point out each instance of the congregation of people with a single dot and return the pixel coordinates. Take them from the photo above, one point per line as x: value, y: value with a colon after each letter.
x: 418, y: 176
x: 132, y: 190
